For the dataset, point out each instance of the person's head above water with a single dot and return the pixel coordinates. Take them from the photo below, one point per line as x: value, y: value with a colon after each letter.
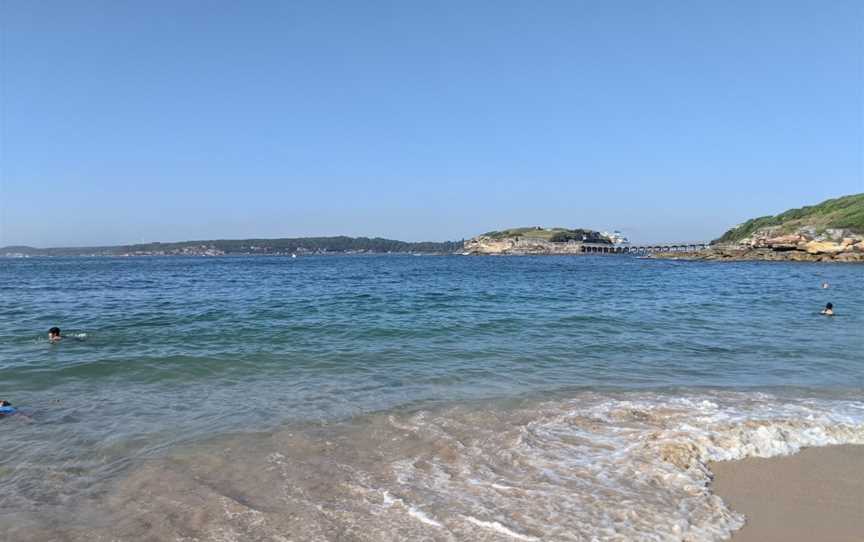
x: 54, y: 334
x: 5, y: 403
x: 829, y: 306
x: 828, y: 310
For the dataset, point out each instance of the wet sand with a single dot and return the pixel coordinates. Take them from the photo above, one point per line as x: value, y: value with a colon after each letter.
x: 815, y: 495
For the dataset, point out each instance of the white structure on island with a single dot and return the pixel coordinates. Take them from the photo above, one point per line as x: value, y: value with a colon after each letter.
x: 616, y: 237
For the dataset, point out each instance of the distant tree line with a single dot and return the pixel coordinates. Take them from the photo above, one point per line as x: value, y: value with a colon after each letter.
x: 339, y: 244
x: 332, y: 244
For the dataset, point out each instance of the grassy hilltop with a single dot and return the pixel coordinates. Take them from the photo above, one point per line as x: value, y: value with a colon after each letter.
x: 554, y: 235
x: 846, y: 212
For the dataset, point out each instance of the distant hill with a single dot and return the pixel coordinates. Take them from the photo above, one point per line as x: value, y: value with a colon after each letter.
x: 844, y: 213
x: 219, y: 247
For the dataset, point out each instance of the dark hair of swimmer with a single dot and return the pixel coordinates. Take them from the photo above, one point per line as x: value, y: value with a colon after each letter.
x: 829, y: 306
x: 5, y: 403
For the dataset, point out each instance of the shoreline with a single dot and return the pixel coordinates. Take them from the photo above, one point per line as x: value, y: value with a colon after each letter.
x: 814, y: 495
x: 327, y: 479
x: 697, y: 258
x: 759, y: 255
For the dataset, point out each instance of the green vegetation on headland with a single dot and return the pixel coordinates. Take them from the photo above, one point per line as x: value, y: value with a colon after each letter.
x: 846, y: 213
x: 220, y: 247
x: 553, y: 235
x: 832, y: 231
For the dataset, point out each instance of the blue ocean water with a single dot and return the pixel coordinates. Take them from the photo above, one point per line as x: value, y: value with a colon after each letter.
x: 165, y: 353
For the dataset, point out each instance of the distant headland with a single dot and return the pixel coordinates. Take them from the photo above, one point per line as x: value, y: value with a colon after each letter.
x: 538, y: 240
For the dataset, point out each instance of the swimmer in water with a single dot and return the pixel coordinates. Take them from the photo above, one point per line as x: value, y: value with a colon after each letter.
x: 6, y: 408
x: 828, y: 310
x: 54, y: 335
x: 824, y: 285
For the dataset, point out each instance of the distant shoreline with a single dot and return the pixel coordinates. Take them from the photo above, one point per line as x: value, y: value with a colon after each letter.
x: 231, y: 255
x: 702, y: 256
x: 743, y: 254
x: 247, y: 247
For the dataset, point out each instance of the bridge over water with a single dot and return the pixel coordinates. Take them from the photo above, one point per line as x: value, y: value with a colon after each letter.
x: 603, y: 248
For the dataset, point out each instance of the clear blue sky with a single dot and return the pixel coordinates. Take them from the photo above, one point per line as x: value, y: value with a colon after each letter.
x: 672, y: 120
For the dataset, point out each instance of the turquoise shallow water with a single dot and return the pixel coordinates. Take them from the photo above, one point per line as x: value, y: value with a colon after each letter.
x: 163, y: 353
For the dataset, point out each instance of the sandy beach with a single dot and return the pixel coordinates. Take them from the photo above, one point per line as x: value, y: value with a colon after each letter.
x: 815, y: 495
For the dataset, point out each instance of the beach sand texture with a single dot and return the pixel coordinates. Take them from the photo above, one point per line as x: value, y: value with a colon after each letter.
x: 815, y: 495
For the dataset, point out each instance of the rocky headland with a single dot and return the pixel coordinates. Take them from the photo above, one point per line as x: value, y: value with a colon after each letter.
x: 832, y: 231
x: 832, y: 246
x: 533, y: 241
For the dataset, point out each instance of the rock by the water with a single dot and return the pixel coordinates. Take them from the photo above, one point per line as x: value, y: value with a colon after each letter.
x: 805, y: 245
x: 823, y: 247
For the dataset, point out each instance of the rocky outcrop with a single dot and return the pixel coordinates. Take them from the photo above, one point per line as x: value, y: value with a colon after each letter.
x: 488, y: 245
x: 805, y: 245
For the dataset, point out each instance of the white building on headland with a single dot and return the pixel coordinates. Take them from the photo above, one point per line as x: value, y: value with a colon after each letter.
x: 616, y: 237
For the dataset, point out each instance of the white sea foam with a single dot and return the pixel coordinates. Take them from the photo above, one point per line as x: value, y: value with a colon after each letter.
x: 627, y: 466
x: 419, y: 515
x: 498, y: 528
x: 606, y: 467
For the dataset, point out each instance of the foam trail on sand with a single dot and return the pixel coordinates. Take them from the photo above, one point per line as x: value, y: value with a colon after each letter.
x: 498, y: 528
x: 389, y: 500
